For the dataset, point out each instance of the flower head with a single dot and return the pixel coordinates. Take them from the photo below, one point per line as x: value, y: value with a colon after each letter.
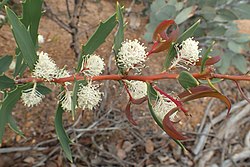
x: 188, y: 53
x: 93, y: 65
x: 40, y: 39
x: 66, y: 101
x: 138, y: 89
x: 162, y: 106
x: 88, y: 96
x: 131, y: 53
x: 45, y: 67
x: 31, y: 97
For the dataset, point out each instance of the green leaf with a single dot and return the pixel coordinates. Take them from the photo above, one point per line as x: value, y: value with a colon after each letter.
x: 43, y: 89
x: 32, y: 12
x: 240, y: 62
x: 23, y: 39
x: 165, y: 13
x: 74, y: 97
x: 20, y: 64
x: 235, y: 47
x: 206, y: 57
x: 14, y: 127
x: 242, y: 10
x: 119, y: 36
x: 8, y: 104
x: 187, y: 80
x: 62, y: 136
x: 208, y: 12
x: 225, y: 62
x: 225, y: 15
x: 170, y: 56
x: 5, y: 63
x: 157, y: 5
x: 104, y: 29
x: 6, y: 82
x: 213, y: 81
x: 189, y: 32
x: 185, y: 14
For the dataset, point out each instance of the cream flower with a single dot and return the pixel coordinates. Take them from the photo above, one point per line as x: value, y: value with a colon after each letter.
x: 88, y: 96
x: 138, y: 89
x: 188, y: 54
x: 131, y: 53
x: 93, y: 65
x: 40, y: 39
x: 45, y: 67
x: 162, y: 106
x: 66, y: 101
x: 31, y: 97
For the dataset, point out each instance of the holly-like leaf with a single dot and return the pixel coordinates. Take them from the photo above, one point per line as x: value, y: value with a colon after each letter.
x: 99, y: 36
x: 62, y: 135
x: 5, y: 62
x: 186, y: 80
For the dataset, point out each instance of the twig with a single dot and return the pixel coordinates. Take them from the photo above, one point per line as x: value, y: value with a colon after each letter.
x: 20, y: 149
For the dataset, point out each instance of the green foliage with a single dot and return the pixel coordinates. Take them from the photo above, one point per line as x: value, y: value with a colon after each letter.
x: 99, y: 36
x: 186, y: 80
x: 6, y: 107
x: 6, y: 82
x: 23, y: 39
x: 5, y: 62
x: 217, y: 24
x: 62, y: 135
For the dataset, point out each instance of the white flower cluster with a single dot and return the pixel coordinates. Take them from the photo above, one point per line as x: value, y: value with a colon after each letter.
x: 45, y: 67
x: 88, y: 96
x: 66, y: 101
x: 162, y: 106
x: 188, y: 54
x: 138, y: 89
x: 93, y: 65
x: 132, y: 55
x: 31, y: 97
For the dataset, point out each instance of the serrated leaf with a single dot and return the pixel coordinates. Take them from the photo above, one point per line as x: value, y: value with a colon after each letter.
x: 23, y: 39
x: 62, y: 136
x: 186, y: 80
x: 185, y: 14
x: 99, y: 36
x: 119, y: 36
x: 7, y: 105
x: 240, y: 62
x: 5, y: 62
x: 6, y: 82
x: 189, y: 32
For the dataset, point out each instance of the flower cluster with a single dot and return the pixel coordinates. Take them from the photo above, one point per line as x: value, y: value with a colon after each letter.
x: 45, y: 67
x: 88, y: 96
x: 31, y: 97
x: 162, y: 106
x: 93, y: 65
x: 66, y: 101
x: 138, y: 89
x: 187, y: 53
x: 132, y: 55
